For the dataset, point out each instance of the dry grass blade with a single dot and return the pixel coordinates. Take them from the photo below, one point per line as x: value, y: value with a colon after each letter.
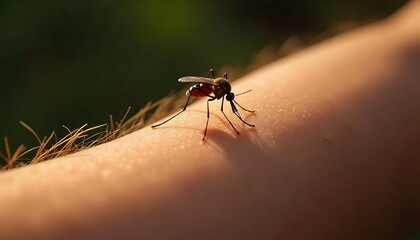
x: 7, y: 147
x: 125, y: 116
x: 30, y: 130
x: 42, y: 149
x: 14, y: 161
x: 11, y: 160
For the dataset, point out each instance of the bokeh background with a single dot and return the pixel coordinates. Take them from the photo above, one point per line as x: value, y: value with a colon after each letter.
x: 75, y: 62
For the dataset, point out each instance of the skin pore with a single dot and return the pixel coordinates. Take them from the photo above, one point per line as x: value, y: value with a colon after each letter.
x: 334, y: 155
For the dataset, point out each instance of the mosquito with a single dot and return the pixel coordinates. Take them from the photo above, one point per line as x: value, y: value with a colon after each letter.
x: 214, y: 89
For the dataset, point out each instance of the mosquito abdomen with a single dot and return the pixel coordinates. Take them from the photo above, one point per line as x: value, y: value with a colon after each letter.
x: 200, y: 90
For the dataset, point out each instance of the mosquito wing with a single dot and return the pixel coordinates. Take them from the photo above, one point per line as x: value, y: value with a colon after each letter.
x: 209, y: 81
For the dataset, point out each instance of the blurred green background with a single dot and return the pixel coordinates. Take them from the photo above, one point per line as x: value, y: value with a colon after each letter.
x: 76, y: 62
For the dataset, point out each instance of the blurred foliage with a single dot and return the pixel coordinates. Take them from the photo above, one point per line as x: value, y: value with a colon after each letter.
x: 75, y: 62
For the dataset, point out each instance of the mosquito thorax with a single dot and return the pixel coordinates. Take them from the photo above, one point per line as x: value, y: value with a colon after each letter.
x: 221, y: 87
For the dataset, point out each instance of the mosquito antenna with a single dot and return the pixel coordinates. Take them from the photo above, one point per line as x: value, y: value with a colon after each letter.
x: 243, y: 93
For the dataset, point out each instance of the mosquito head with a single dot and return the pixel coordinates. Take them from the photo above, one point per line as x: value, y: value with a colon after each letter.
x: 230, y: 96
x: 221, y: 87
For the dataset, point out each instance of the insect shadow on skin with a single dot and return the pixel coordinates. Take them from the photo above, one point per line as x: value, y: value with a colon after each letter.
x: 214, y: 89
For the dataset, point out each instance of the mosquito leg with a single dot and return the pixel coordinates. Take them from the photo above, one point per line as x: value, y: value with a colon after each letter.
x: 212, y: 73
x: 211, y: 98
x: 251, y: 111
x: 221, y: 109
x: 208, y: 117
x: 185, y: 107
x: 194, y: 99
x: 225, y: 76
x: 235, y: 111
